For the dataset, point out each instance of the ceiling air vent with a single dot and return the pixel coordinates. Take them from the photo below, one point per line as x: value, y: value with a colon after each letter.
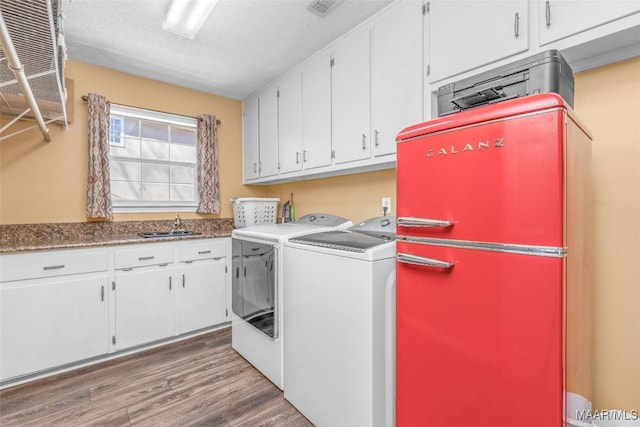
x: 321, y: 7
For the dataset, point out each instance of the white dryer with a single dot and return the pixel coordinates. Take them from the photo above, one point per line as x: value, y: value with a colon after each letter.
x: 257, y: 288
x: 339, y: 299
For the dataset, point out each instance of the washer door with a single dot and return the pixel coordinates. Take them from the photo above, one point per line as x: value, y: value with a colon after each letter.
x: 253, y: 284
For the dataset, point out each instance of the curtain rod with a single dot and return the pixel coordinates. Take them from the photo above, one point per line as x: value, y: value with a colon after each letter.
x: 84, y: 98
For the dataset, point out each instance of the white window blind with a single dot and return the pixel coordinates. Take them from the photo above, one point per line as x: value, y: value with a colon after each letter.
x: 153, y: 159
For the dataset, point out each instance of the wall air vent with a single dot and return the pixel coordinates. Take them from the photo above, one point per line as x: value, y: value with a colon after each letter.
x: 321, y: 7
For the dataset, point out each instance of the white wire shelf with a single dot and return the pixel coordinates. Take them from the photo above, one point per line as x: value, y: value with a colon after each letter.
x: 36, y: 38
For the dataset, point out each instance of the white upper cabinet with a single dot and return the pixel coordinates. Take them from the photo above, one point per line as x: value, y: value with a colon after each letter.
x: 396, y: 77
x: 290, y: 122
x: 250, y: 138
x: 563, y: 18
x: 316, y: 112
x: 350, y: 92
x: 268, y: 132
x: 463, y: 35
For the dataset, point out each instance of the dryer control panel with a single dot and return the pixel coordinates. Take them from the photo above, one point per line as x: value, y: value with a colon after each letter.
x: 382, y: 226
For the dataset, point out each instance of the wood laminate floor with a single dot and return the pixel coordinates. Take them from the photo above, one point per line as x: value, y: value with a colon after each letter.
x: 198, y: 382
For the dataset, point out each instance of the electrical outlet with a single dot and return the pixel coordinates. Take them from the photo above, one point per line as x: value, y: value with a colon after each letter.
x: 386, y: 206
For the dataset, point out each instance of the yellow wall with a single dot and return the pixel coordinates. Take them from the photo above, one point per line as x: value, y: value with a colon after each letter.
x: 608, y: 101
x: 356, y: 197
x: 46, y: 182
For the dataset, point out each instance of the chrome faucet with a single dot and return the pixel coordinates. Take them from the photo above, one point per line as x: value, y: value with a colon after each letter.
x: 177, y: 223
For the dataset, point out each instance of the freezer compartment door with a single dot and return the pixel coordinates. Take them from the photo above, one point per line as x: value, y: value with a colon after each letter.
x: 479, y: 338
x: 500, y: 181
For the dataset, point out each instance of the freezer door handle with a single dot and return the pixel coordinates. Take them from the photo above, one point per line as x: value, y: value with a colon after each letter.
x: 426, y: 262
x: 407, y: 221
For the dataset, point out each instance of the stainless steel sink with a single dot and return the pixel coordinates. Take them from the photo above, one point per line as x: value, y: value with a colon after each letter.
x: 177, y: 233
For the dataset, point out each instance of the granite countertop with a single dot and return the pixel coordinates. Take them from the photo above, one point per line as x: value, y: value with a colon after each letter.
x: 35, y: 237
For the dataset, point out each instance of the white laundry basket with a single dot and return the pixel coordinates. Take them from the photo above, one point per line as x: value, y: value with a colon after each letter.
x: 577, y: 407
x: 617, y: 418
x: 254, y: 210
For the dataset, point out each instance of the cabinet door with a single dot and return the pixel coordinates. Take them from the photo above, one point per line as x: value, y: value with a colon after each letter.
x: 144, y: 305
x: 316, y: 112
x: 201, y: 295
x: 396, y: 77
x: 561, y: 18
x: 46, y: 323
x: 268, y: 132
x: 462, y: 35
x: 290, y: 123
x: 250, y: 138
x: 350, y: 102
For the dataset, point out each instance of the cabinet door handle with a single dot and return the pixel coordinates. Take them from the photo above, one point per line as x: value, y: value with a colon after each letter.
x: 183, y: 280
x: 517, y: 25
x: 169, y: 282
x: 255, y: 167
x: 548, y: 13
x: 145, y: 258
x: 297, y: 157
x: 53, y: 267
x: 102, y: 293
x: 203, y: 252
x: 259, y: 166
x: 364, y: 141
x: 305, y: 155
x: 375, y: 140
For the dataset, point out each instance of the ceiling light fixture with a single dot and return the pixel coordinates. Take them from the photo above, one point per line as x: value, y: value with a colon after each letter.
x: 185, y: 17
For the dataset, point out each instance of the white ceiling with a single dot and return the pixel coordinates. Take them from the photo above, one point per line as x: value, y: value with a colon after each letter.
x: 243, y: 45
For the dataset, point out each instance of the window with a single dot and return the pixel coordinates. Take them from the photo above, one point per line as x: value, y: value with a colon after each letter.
x: 153, y: 161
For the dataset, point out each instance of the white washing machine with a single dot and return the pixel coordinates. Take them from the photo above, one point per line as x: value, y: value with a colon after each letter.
x: 339, y: 299
x: 257, y: 288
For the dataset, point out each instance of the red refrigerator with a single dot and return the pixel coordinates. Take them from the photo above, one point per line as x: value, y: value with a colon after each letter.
x: 493, y: 304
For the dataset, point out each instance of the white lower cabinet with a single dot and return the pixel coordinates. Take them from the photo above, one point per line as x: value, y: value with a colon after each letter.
x: 201, y: 294
x: 144, y: 305
x: 45, y: 323
x: 64, y: 307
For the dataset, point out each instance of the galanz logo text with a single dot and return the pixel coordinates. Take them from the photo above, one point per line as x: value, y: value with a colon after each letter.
x: 481, y: 145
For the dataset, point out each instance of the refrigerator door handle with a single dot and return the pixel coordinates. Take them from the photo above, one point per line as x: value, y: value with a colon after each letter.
x: 426, y: 262
x: 407, y: 221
